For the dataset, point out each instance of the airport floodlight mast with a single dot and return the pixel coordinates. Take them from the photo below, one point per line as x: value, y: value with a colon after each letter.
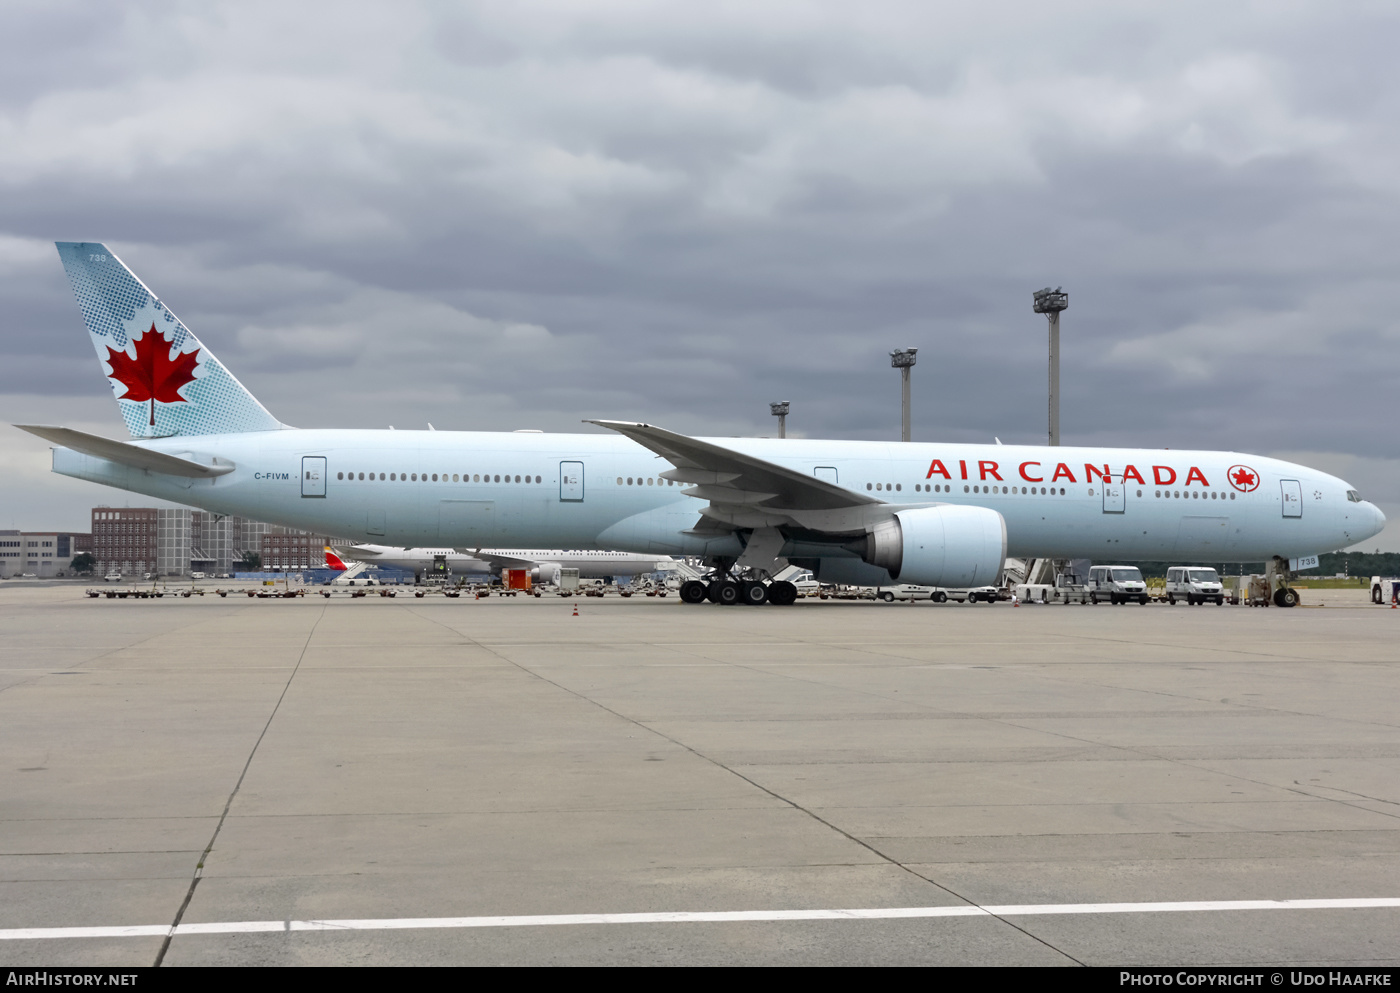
x: 1050, y: 302
x: 903, y: 360
x: 780, y: 411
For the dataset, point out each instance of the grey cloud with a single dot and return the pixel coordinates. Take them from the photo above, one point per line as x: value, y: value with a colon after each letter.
x: 706, y: 208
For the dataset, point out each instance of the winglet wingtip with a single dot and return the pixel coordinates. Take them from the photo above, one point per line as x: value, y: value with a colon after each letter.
x: 615, y: 425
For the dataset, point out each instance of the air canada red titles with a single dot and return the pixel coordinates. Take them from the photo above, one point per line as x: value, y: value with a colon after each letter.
x: 1039, y: 472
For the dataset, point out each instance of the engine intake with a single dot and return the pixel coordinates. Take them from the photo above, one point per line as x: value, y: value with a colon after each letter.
x: 938, y: 546
x: 546, y: 573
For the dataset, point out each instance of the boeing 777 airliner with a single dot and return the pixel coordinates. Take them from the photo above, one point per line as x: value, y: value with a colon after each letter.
x: 543, y: 564
x: 870, y: 513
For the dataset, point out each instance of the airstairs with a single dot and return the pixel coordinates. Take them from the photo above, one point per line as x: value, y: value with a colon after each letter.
x: 1017, y: 571
x: 687, y: 570
x: 1048, y: 572
x: 352, y: 569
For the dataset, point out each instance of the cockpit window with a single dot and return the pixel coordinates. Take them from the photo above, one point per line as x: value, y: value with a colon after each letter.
x: 1353, y: 496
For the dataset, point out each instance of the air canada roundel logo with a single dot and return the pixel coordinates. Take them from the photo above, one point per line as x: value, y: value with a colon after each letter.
x: 1243, y: 478
x: 152, y: 375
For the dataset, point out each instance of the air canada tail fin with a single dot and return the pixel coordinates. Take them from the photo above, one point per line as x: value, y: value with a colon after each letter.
x: 165, y: 381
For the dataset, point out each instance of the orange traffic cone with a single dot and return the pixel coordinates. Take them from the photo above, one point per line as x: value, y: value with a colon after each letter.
x: 575, y: 610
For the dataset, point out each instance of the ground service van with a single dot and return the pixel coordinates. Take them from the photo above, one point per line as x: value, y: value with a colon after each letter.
x: 1194, y: 585
x: 976, y: 594
x: 905, y: 591
x: 1117, y: 584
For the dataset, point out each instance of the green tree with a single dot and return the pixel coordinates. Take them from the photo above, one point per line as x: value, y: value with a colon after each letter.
x: 251, y: 562
x: 84, y: 563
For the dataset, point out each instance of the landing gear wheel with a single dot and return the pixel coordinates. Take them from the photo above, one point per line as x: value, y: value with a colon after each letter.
x: 782, y: 594
x: 694, y: 591
x: 1286, y: 597
x: 887, y: 596
x: 754, y: 594
x: 726, y: 592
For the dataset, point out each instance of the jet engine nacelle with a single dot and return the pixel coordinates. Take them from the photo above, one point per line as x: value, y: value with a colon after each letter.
x: 939, y: 546
x: 545, y: 574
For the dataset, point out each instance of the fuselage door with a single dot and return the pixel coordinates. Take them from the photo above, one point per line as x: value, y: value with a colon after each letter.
x: 826, y: 472
x: 1113, y: 496
x: 313, y: 476
x: 571, y: 482
x: 1292, y: 497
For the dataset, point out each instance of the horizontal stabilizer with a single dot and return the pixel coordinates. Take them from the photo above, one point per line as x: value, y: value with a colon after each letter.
x: 125, y: 453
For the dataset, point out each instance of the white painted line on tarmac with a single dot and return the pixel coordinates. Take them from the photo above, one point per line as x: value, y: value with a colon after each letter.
x: 694, y: 917
x: 132, y: 931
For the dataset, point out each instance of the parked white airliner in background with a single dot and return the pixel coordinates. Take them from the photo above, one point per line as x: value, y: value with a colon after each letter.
x: 872, y: 513
x: 543, y: 563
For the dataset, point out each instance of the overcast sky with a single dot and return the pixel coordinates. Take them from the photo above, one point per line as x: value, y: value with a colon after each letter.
x: 505, y: 215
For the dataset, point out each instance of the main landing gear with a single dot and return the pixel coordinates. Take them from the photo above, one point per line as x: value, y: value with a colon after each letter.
x: 726, y: 591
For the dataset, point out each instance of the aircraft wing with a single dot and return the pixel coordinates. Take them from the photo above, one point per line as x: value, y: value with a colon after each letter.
x: 743, y: 490
x: 356, y: 552
x: 125, y: 453
x: 495, y: 558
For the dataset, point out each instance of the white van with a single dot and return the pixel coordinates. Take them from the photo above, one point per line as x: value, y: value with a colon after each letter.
x: 976, y: 594
x: 905, y: 591
x: 1119, y: 583
x: 1194, y: 584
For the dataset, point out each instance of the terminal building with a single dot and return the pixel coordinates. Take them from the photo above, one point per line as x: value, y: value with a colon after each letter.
x: 290, y: 550
x: 45, y: 554
x: 178, y: 541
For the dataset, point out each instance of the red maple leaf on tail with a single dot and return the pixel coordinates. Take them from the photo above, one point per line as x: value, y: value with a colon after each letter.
x: 152, y: 375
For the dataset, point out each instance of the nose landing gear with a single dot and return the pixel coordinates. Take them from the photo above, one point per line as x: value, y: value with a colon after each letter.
x: 1278, y: 575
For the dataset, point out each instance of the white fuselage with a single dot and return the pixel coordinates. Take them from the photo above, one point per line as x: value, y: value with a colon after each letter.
x: 590, y: 563
x: 602, y: 491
